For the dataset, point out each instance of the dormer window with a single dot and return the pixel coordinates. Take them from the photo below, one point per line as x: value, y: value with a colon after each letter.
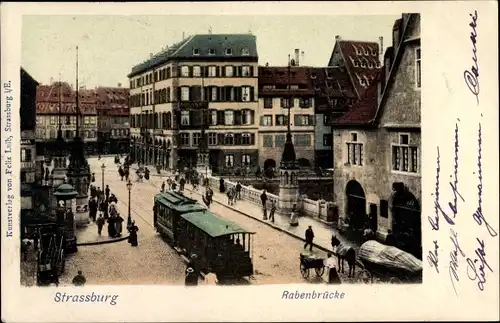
x: 328, y: 84
x: 378, y: 64
x: 317, y: 88
x: 229, y: 51
x: 355, y: 63
x: 362, y: 82
x: 363, y: 63
x: 370, y: 65
x: 211, y: 51
x: 366, y: 52
x: 328, y: 75
x: 196, y: 51
x: 244, y: 52
x: 374, y: 53
x: 313, y: 75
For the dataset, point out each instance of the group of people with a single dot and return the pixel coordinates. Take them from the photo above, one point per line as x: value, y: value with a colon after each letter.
x: 193, y: 273
x: 272, y: 209
x: 233, y: 194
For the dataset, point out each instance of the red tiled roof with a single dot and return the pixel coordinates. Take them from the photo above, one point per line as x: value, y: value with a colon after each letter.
x: 66, y: 108
x: 362, y: 62
x: 331, y: 82
x: 278, y: 77
x: 363, y: 111
x: 48, y: 98
x: 113, y: 101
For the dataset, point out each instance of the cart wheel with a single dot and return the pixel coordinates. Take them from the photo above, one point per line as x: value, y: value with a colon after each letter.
x: 365, y: 277
x: 304, y: 270
x: 395, y: 280
x: 320, y: 271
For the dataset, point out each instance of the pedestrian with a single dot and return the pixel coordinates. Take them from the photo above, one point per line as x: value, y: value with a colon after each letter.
x: 309, y: 238
x: 107, y: 191
x: 294, y: 217
x: 238, y: 191
x: 93, y: 177
x: 263, y: 199
x: 121, y: 173
x: 230, y: 196
x: 333, y: 275
x: 273, y: 209
x: 163, y: 187
x: 118, y: 225
x: 25, y: 245
x: 79, y: 279
x: 211, y: 278
x: 182, y: 182
x: 111, y: 227
x: 169, y: 183
x: 100, y: 224
x: 174, y: 186
x: 132, y: 238
x: 222, y: 188
x: 191, y: 279
x: 235, y: 194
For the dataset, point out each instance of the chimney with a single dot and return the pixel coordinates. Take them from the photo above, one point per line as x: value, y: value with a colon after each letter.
x: 119, y: 85
x: 381, y: 49
x: 297, y: 51
x: 302, y: 58
x: 337, y: 38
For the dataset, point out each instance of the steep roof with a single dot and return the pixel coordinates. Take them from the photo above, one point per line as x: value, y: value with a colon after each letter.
x: 26, y: 74
x: 274, y: 80
x: 203, y: 47
x: 361, y: 60
x: 113, y: 100
x: 49, y: 96
x: 330, y: 82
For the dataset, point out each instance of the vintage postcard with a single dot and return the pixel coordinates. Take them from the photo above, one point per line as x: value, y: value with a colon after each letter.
x: 249, y: 161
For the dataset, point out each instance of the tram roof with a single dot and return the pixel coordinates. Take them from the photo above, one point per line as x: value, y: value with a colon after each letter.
x: 213, y: 225
x: 174, y: 199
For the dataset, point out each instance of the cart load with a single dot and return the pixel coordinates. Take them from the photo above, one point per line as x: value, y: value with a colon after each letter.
x: 388, y: 256
x: 311, y: 260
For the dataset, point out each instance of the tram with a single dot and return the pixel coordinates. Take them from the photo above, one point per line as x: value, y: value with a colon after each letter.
x: 51, y: 257
x: 223, y: 246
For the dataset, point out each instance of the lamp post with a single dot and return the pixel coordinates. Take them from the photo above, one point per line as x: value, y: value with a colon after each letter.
x: 103, y: 167
x: 129, y: 218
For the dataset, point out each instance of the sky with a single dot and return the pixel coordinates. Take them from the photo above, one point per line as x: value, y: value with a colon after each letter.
x: 109, y: 46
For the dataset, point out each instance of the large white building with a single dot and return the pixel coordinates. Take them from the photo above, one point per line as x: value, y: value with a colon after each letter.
x: 217, y: 74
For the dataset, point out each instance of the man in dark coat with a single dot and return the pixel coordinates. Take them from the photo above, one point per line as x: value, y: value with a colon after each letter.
x: 222, y: 188
x: 132, y: 238
x: 107, y: 191
x: 191, y: 278
x: 309, y: 238
x: 263, y: 199
x: 238, y: 191
x: 79, y: 280
x: 100, y: 224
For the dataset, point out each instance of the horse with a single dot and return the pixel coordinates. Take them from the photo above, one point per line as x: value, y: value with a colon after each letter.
x: 344, y: 252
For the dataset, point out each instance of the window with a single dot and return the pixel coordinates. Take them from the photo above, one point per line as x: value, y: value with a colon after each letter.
x: 52, y: 120
x: 302, y: 140
x: 184, y: 71
x: 268, y: 103
x: 214, y: 94
x: 229, y: 160
x: 229, y: 71
x: 212, y: 71
x: 39, y: 120
x: 25, y: 155
x: 68, y: 120
x: 284, y: 102
x: 228, y: 139
x: 229, y: 117
x: 211, y: 51
x: 229, y: 51
x: 325, y: 119
x: 281, y: 120
x: 267, y: 141
x: 404, y: 155
x: 245, y: 94
x: 305, y: 102
x: 184, y: 93
x: 196, y: 71
x: 328, y: 140
x: 196, y: 51
x: 246, y: 117
x: 302, y: 120
x: 418, y: 68
x: 196, y: 138
x: 212, y: 139
x: 245, y: 160
x: 354, y: 151
x: 246, y: 139
x: 245, y: 51
x: 67, y: 133
x: 185, y: 139
x: 279, y: 140
x: 213, y: 117
x: 245, y: 70
x: 86, y: 120
x: 266, y: 120
x: 185, y: 118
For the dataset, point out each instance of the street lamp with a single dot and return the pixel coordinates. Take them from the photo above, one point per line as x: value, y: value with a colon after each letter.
x: 129, y: 218
x: 103, y: 167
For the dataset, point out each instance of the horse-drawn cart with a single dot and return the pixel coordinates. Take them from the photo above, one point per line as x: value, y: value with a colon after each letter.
x: 310, y: 260
x: 382, y: 263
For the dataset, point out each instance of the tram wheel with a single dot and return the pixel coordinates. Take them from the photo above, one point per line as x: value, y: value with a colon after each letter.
x: 395, y: 280
x: 304, y: 270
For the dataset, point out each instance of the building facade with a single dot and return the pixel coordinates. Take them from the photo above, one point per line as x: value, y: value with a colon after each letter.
x: 274, y: 96
x: 113, y: 119
x: 205, y: 79
x: 28, y: 146
x: 56, y: 104
x: 377, y: 145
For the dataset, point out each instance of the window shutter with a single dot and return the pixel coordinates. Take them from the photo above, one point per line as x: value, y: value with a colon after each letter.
x: 262, y: 120
x: 251, y: 71
x: 296, y: 120
x: 240, y: 71
x: 237, y: 117
x: 178, y: 71
x: 223, y: 71
x: 178, y: 98
x: 217, y: 71
x: 220, y: 139
x: 235, y: 71
x: 311, y: 120
x: 190, y: 71
x: 252, y: 94
x: 220, y: 117
x: 237, y: 139
x: 238, y: 93
x: 252, y: 117
x: 205, y: 71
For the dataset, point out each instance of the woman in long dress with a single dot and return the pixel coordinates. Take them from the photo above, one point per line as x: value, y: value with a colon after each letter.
x: 111, y: 227
x: 118, y: 224
x: 222, y: 189
x: 132, y: 238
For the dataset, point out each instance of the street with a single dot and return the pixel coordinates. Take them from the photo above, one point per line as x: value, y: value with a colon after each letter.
x: 275, y: 255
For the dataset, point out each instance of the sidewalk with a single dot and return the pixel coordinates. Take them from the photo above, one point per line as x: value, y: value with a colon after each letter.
x: 322, y: 232
x: 87, y: 236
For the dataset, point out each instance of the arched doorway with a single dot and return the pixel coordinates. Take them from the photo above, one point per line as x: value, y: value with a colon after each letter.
x: 406, y: 220
x: 356, y: 204
x: 269, y: 163
x: 304, y: 162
